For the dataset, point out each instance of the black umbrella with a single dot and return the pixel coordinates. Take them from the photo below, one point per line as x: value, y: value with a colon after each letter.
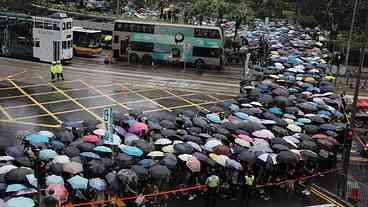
x: 18, y: 175
x: 153, y: 125
x: 167, y: 124
x: 181, y: 132
x: 183, y: 148
x: 86, y: 147
x: 156, y: 136
x: 292, y: 110
x: 160, y: 173
x: 141, y: 172
x: 219, y: 136
x: 56, y: 145
x: 324, y: 154
x: 311, y: 129
x: 143, y: 145
x: 24, y: 162
x: 108, y: 163
x: 128, y: 177
x: 280, y: 131
x: 169, y: 161
x: 200, y: 122
x: 55, y: 168
x: 15, y: 151
x: 71, y: 151
x: 281, y: 101
x: 168, y: 132
x: 189, y: 113
x: 265, y: 99
x: 308, y: 155
x: 280, y: 122
x: 113, y: 182
x: 223, y: 131
x: 247, y: 156
x: 308, y: 106
x: 205, y: 136
x: 95, y: 168
x: 269, y: 116
x: 230, y: 126
x: 194, y: 130
x: 331, y: 133
x: 280, y: 92
x: 325, y: 143
x: 287, y: 157
x: 280, y: 147
x: 309, y: 145
x: 64, y: 135
x: 124, y: 160
x: 193, y: 139
x: 90, y: 124
x: 277, y: 140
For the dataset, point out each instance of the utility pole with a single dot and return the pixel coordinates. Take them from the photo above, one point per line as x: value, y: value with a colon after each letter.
x: 347, y: 143
x: 118, y: 7
x: 349, y: 40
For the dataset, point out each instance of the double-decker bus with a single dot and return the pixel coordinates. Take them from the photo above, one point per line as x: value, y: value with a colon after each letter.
x: 86, y: 42
x: 44, y: 39
x: 147, y: 41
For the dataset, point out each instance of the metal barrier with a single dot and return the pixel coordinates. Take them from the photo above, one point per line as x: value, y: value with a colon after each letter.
x: 357, y: 192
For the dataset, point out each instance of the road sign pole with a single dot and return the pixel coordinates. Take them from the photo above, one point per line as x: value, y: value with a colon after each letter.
x: 108, y: 122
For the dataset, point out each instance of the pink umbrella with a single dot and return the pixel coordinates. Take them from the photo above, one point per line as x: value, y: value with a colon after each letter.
x: 194, y: 165
x: 245, y: 137
x: 264, y: 133
x: 319, y: 136
x: 137, y: 127
x: 91, y: 138
x: 60, y: 192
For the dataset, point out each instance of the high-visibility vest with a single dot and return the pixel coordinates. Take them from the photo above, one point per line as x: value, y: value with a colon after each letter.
x: 53, y: 68
x: 213, y: 181
x: 59, y: 68
x: 249, y: 180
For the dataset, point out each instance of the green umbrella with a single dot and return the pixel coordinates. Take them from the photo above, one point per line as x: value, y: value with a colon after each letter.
x: 20, y: 202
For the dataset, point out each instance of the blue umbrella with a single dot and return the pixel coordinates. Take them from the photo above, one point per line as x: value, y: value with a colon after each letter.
x: 331, y: 127
x: 213, y: 118
x: 234, y: 107
x: 20, y: 202
x: 72, y: 124
x: 54, y: 179
x: 78, y: 182
x: 90, y: 155
x: 304, y: 120
x: 241, y: 115
x: 147, y: 163
x: 47, y: 154
x: 132, y: 151
x: 276, y: 110
x: 37, y: 138
x: 98, y: 184
x: 103, y: 149
x: 15, y: 188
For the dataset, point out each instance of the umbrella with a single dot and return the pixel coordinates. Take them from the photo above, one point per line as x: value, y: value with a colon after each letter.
x: 280, y: 147
x: 15, y: 151
x: 222, y: 150
x: 24, y: 162
x: 307, y: 154
x: 55, y: 168
x: 287, y: 157
x: 193, y: 164
x: 98, y: 184
x: 47, y: 154
x: 61, y: 159
x: 54, y: 179
x: 18, y: 175
x: 210, y: 144
x: 57, y: 145
x: 260, y: 148
x: 268, y: 157
x: 91, y: 138
x: 160, y: 172
x: 15, y: 188
x: 167, y: 124
x: 129, y: 138
x: 20, y: 202
x: 241, y: 115
x: 156, y: 154
x: 60, y: 192
x: 294, y: 128
x: 102, y: 149
x: 6, y: 168
x: 86, y: 147
x: 46, y: 133
x: 143, y: 145
x: 195, y: 146
x: 169, y: 161
x: 163, y: 141
x: 78, y: 182
x: 328, y: 126
x: 185, y: 157
x: 247, y: 156
x: 71, y: 151
x: 89, y: 156
x: 73, y: 168
x: 221, y: 160
x: 242, y: 142
x: 183, y: 148
x: 200, y: 156
x: 128, y: 176
x: 6, y: 158
x: 95, y: 168
x: 141, y: 172
x: 234, y: 164
x: 319, y: 136
x: 213, y: 118
x: 113, y: 182
x: 37, y: 138
x: 132, y: 151
x: 137, y: 127
x: 147, y: 163
x: 264, y: 133
x: 168, y: 149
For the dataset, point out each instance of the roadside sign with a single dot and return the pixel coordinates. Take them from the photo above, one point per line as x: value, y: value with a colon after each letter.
x: 108, y: 122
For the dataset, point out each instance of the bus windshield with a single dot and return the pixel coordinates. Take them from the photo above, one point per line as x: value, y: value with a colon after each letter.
x: 90, y: 40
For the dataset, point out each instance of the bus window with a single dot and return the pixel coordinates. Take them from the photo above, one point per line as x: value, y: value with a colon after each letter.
x: 56, y: 27
x: 68, y: 25
x: 48, y: 25
x: 64, y: 44
x: 206, y: 33
x: 39, y: 25
x: 142, y: 46
x: 206, y: 52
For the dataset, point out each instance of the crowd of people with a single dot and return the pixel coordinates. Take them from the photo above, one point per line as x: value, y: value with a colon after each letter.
x: 287, y: 125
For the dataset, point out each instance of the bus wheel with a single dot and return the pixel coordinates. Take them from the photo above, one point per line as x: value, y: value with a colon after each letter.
x: 198, y: 64
x: 133, y: 58
x: 147, y: 59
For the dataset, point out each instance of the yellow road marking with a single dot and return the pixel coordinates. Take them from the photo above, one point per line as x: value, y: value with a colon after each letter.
x: 29, y: 123
x: 76, y: 102
x: 13, y: 75
x: 36, y: 85
x: 184, y: 99
x: 146, y: 98
x: 35, y: 101
x: 5, y: 113
x: 103, y: 94
x: 325, y: 197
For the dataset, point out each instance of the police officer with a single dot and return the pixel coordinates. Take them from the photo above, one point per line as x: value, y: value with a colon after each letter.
x: 59, y: 70
x: 213, y: 183
x: 247, y: 188
x: 53, y: 71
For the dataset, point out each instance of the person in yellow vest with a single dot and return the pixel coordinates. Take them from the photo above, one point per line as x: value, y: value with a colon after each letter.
x: 213, y: 183
x: 59, y: 70
x: 52, y: 69
x: 248, y: 188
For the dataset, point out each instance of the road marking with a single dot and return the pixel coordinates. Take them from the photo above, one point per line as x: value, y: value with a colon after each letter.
x: 35, y: 101
x: 184, y: 99
x: 327, y: 198
x: 146, y: 98
x: 29, y: 123
x: 103, y: 94
x: 13, y: 75
x: 76, y: 102
x: 5, y: 113
x: 323, y: 205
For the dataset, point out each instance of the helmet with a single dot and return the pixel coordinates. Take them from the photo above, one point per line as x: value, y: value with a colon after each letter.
x: 58, y: 62
x: 53, y: 62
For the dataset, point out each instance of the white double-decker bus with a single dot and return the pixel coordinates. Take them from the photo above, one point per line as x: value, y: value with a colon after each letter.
x: 45, y: 39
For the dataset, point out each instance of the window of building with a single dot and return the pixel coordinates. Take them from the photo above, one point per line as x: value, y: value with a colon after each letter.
x: 64, y: 26
x: 68, y: 25
x: 116, y: 39
x: 37, y: 43
x: 39, y: 25
x: 48, y: 25
x: 56, y: 27
x: 142, y: 46
x: 206, y: 52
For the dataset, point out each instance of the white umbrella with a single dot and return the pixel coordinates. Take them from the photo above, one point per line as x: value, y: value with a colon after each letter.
x: 195, y: 146
x: 266, y: 156
x: 234, y: 164
x: 177, y: 142
x: 294, y: 128
x: 242, y: 142
x: 291, y: 139
x: 156, y: 154
x: 185, y: 157
x: 100, y: 132
x: 168, y: 148
x: 6, y: 168
x: 163, y: 141
x: 46, y: 133
x: 115, y: 140
x: 210, y: 144
x: 62, y: 159
x: 288, y: 121
x: 297, y: 152
x: 255, y: 103
x: 222, y: 159
x: 6, y: 158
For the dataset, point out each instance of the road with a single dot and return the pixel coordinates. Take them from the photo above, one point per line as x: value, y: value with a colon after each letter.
x: 29, y: 101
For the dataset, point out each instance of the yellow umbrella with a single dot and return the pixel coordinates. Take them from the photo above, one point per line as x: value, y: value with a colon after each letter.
x: 322, y: 61
x: 274, y: 53
x: 213, y: 156
x: 156, y: 154
x: 108, y: 38
x: 330, y: 78
x: 274, y: 76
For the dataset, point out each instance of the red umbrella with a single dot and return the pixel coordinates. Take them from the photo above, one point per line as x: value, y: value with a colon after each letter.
x: 222, y: 150
x: 137, y: 127
x: 91, y: 138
